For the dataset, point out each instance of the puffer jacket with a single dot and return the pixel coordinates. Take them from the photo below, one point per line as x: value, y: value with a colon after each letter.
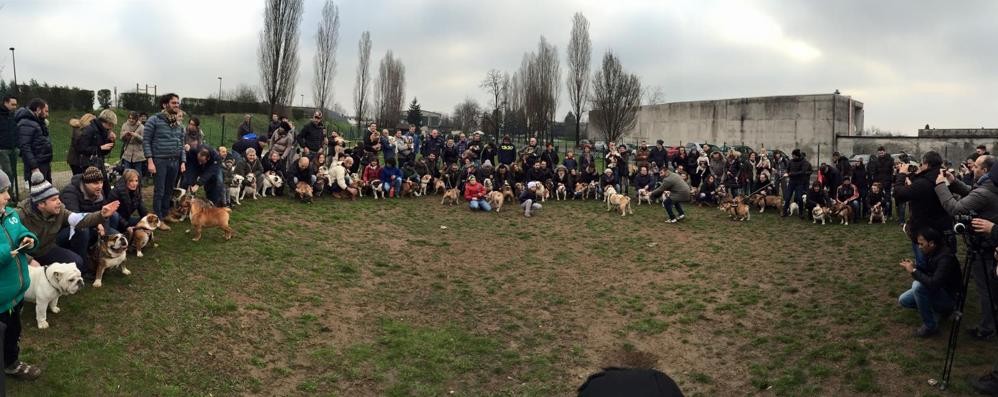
x: 881, y: 169
x: 33, y: 139
x: 88, y: 146
x: 14, y: 280
x: 473, y: 191
x: 162, y: 140
x: 281, y: 143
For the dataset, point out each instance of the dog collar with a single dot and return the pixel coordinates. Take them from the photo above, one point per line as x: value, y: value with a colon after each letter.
x: 45, y: 270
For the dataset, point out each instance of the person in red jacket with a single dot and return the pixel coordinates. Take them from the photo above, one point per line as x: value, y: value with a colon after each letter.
x: 474, y: 193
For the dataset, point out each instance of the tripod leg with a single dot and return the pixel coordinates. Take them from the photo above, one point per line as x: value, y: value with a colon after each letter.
x: 954, y: 332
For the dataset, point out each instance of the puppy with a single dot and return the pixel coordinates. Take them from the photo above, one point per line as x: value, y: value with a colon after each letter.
x: 561, y: 193
x: 272, y: 182
x: 236, y: 188
x: 204, y: 215
x: 377, y: 189
x: 439, y: 187
x: 109, y: 252
x: 843, y: 211
x: 487, y: 182
x: 644, y: 195
x: 303, y: 192
x: 877, y: 214
x: 615, y: 199
x: 737, y: 209
x: 507, y: 192
x: 408, y: 189
x: 580, y: 190
x: 543, y: 192
x: 142, y: 232
x: 496, y: 199
x: 250, y: 187
x: 451, y: 195
x: 180, y: 211
x: 48, y: 284
x: 794, y: 209
x: 424, y: 183
x: 819, y: 213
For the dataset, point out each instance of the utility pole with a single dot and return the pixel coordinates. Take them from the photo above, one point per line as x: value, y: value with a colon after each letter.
x: 14, y: 63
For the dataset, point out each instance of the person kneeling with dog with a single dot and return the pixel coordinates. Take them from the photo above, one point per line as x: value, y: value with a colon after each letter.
x: 14, y: 282
x: 44, y: 215
x: 528, y: 199
x: 83, y: 194
x: 474, y: 193
x: 204, y: 171
x: 676, y: 191
x: 936, y: 282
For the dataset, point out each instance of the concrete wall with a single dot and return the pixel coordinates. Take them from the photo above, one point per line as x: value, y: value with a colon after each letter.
x: 952, y: 147
x: 779, y: 122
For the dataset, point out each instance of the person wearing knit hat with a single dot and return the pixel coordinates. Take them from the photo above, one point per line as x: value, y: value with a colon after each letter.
x: 14, y: 282
x: 474, y: 193
x: 608, y: 179
x: 96, y: 141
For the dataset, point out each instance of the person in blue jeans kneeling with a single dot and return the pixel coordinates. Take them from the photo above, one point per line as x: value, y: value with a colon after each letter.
x: 936, y: 283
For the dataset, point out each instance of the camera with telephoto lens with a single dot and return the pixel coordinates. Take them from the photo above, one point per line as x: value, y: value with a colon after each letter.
x: 961, y: 223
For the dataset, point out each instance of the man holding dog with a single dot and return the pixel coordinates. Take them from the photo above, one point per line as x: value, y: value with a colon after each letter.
x: 676, y: 192
x: 83, y: 194
x: 205, y: 171
x: 799, y: 173
x: 163, y: 148
x: 982, y: 200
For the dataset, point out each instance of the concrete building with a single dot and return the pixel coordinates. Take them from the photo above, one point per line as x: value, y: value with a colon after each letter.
x: 809, y: 122
x: 954, y: 144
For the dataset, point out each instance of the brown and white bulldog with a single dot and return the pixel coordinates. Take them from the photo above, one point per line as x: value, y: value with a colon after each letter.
x: 142, y: 232
x: 842, y: 211
x: 451, y: 195
x: 424, y: 183
x: 109, y: 252
x: 644, y: 195
x: 877, y: 214
x: 819, y: 213
x: 621, y: 201
x: 496, y: 199
x: 303, y: 192
x: 203, y: 215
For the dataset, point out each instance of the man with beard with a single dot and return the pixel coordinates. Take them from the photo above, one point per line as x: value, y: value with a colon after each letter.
x: 163, y: 147
x: 33, y: 139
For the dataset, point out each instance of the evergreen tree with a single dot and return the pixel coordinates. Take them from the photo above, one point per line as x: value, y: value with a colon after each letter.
x: 415, y: 114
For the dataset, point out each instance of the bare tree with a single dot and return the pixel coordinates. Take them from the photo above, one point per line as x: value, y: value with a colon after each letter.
x: 360, y: 98
x: 539, y: 78
x: 389, y: 91
x: 243, y: 93
x: 466, y: 115
x: 579, y: 55
x: 616, y: 97
x: 654, y: 96
x: 278, y: 51
x: 327, y: 38
x: 496, y: 83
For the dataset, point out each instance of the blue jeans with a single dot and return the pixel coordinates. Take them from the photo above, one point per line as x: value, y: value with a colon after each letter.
x: 387, y: 186
x: 139, y: 166
x: 668, y: 204
x: 480, y: 204
x: 212, y: 186
x: 927, y: 302
x: 164, y: 181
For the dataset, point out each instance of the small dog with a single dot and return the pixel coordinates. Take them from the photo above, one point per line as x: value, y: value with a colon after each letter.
x: 377, y: 189
x: 737, y: 209
x: 843, y: 211
x: 204, y: 215
x: 142, y: 233
x: 487, y: 182
x: 794, y: 209
x: 580, y: 190
x: 507, y: 192
x: 496, y: 199
x: 561, y: 193
x: 110, y: 252
x: 303, y: 192
x: 439, y: 186
x: 543, y: 192
x: 48, y: 284
x: 877, y: 214
x: 321, y: 184
x: 819, y: 213
x: 180, y: 211
x: 615, y: 199
x: 594, y: 191
x: 250, y: 186
x: 644, y: 195
x: 424, y: 183
x: 762, y: 201
x: 271, y: 181
x: 408, y: 188
x: 236, y: 188
x: 451, y: 195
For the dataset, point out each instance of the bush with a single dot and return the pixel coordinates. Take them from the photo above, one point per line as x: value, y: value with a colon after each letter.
x: 58, y: 98
x: 139, y: 102
x: 104, y: 98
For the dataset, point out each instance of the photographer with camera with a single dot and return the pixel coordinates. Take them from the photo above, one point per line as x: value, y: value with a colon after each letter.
x: 918, y: 191
x: 981, y: 201
x: 936, y: 283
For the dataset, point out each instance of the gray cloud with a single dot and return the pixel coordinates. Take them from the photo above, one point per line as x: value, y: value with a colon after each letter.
x: 911, y: 63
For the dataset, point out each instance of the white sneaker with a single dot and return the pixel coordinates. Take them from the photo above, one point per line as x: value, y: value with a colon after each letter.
x: 673, y: 220
x: 681, y: 216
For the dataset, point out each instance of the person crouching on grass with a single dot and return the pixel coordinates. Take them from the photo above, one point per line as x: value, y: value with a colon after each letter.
x: 14, y: 283
x: 474, y: 193
x: 528, y: 199
x: 936, y: 283
x: 676, y: 191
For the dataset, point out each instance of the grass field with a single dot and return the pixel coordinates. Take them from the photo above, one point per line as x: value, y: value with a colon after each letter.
x: 410, y: 298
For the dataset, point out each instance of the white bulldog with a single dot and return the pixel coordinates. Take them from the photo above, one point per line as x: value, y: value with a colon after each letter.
x: 48, y: 284
x: 236, y: 188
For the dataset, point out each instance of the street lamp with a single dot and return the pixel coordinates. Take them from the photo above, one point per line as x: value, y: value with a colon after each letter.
x: 219, y: 88
x: 302, y: 100
x: 14, y: 63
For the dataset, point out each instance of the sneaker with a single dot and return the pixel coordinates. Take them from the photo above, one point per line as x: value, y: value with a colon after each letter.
x: 987, y: 384
x: 163, y: 227
x: 926, y: 332
x: 671, y: 220
x: 979, y: 334
x: 681, y: 216
x: 23, y: 371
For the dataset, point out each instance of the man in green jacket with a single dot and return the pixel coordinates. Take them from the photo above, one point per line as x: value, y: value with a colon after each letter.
x: 44, y: 215
x: 14, y: 281
x: 676, y: 191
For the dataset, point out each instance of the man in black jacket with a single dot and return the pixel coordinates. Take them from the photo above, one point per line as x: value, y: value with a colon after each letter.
x: 312, y: 137
x: 33, y: 139
x: 881, y: 169
x: 936, y: 282
x: 204, y: 171
x: 919, y: 191
x: 8, y: 138
x: 85, y: 194
x: 507, y: 151
x: 799, y: 173
x: 659, y: 154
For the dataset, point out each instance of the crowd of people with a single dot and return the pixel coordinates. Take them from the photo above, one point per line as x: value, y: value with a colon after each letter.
x: 60, y: 225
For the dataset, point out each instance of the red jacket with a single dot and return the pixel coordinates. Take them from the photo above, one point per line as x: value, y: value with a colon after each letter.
x: 473, y: 191
x: 371, y: 174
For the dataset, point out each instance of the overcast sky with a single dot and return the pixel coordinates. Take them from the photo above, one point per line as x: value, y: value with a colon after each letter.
x: 911, y: 63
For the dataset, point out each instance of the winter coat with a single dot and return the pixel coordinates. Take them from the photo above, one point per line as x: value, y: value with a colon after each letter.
x: 388, y: 172
x: 88, y: 146
x: 312, y: 136
x: 881, y: 169
x: 33, y: 139
x: 449, y: 154
x: 281, y: 143
x: 129, y: 201
x: 799, y: 171
x: 658, y: 155
x: 302, y: 175
x: 473, y: 191
x: 732, y: 170
x: 75, y: 200
x: 875, y: 198
x: 47, y: 227
x: 488, y: 153
x: 982, y: 199
x: 926, y: 210
x: 433, y: 145
x: 527, y: 194
x: 14, y: 279
x: 842, y: 165
x: 203, y: 172
x: 242, y: 145
x: 678, y: 189
x: 846, y: 193
x: 816, y: 198
x: 570, y: 163
x: 641, y: 157
x: 246, y: 167
x: 245, y: 128
x: 607, y: 180
x: 551, y: 157
x: 717, y: 168
x: 507, y: 153
x: 133, y: 143
x: 8, y: 129
x: 859, y: 178
x: 941, y: 270
x: 371, y: 173
x: 273, y: 166
x: 585, y: 160
x: 194, y: 137
x: 161, y: 140
x: 388, y: 148
x: 644, y: 181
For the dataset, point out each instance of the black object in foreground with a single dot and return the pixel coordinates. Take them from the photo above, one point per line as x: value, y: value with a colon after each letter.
x: 629, y: 382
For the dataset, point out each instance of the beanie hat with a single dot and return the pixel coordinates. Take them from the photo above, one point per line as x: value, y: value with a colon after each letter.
x: 92, y: 175
x: 41, y: 189
x: 471, y: 177
x: 108, y: 115
x: 4, y: 182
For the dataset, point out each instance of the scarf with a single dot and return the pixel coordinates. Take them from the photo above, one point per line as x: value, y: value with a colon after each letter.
x: 170, y: 119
